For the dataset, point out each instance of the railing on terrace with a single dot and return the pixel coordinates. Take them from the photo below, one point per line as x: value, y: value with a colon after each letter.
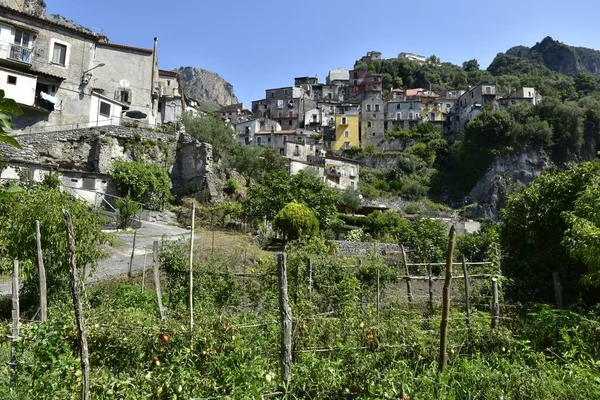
x: 16, y: 52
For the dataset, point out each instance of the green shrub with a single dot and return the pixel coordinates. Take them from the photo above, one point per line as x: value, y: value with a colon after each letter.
x: 128, y: 209
x: 296, y: 220
x: 144, y: 182
x: 231, y: 186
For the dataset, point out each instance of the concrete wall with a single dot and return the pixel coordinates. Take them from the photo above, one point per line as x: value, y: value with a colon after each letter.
x: 340, y: 174
x: 372, y: 121
x: 133, y: 66
x: 96, y: 116
x: 351, y: 126
x: 23, y: 91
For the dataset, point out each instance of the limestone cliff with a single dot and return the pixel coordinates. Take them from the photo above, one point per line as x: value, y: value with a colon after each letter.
x: 207, y: 87
x: 549, y: 53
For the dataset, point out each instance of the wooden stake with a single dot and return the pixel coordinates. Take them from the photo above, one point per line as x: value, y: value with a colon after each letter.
x: 557, y: 290
x: 144, y: 269
x: 76, y: 287
x: 495, y: 306
x: 467, y: 294
x: 212, y: 224
x: 310, y: 279
x: 15, y: 312
x: 130, y: 273
x: 41, y: 274
x: 191, y: 294
x: 430, y: 280
x: 155, y: 268
x: 446, y: 302
x: 378, y: 296
x: 286, y: 319
x: 408, y: 283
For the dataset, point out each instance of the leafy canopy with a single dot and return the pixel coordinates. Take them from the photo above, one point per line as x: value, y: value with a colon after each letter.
x: 144, y: 182
x: 8, y: 108
x: 296, y: 220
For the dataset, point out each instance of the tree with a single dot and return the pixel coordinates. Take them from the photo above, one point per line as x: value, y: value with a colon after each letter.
x: 471, y: 65
x: 211, y: 129
x: 17, y: 239
x: 351, y: 199
x: 144, y: 182
x: 278, y: 189
x: 8, y: 108
x: 296, y: 220
x: 548, y: 227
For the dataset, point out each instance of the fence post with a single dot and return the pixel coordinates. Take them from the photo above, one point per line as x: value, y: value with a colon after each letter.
x: 76, y: 284
x: 408, y: 283
x: 557, y: 290
x: 156, y: 271
x: 191, y: 295
x: 15, y: 312
x: 467, y: 294
x: 378, y: 296
x: 310, y: 279
x: 144, y: 269
x: 430, y: 281
x: 286, y: 319
x: 130, y: 273
x: 41, y: 274
x: 495, y: 305
x: 446, y: 302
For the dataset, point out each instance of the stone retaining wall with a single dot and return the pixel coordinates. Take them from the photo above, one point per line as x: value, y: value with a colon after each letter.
x: 362, y: 248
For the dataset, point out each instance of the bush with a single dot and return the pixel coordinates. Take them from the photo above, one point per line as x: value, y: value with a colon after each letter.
x: 296, y: 220
x: 144, y: 182
x: 128, y: 209
x: 231, y: 186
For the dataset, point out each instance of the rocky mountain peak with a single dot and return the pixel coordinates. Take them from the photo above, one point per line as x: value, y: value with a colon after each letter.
x: 210, y: 89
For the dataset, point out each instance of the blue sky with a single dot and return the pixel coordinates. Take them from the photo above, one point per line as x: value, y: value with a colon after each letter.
x: 257, y: 45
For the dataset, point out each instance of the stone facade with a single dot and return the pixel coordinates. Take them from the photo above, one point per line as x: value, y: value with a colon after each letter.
x: 95, y: 151
x: 363, y: 248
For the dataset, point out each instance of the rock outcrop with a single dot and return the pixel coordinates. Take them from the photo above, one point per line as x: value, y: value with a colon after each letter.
x: 506, y: 175
x: 549, y: 53
x: 207, y: 87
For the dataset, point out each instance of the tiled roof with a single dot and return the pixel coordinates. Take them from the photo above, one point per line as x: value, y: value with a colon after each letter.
x: 124, y: 47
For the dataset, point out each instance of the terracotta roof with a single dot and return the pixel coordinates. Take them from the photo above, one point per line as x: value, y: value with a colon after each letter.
x: 168, y: 73
x: 124, y: 47
x: 288, y: 132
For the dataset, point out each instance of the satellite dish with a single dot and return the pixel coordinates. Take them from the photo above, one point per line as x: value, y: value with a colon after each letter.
x: 124, y: 83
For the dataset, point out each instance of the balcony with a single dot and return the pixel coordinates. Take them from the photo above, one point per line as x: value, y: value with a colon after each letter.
x: 16, y: 52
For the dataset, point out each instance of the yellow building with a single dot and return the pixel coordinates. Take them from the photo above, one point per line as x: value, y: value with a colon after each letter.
x: 346, y: 132
x: 431, y: 108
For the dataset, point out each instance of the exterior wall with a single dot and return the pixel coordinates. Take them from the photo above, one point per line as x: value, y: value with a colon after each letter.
x: 97, y: 119
x: 351, y: 126
x: 338, y: 74
x: 372, y: 122
x: 245, y: 131
x: 134, y: 66
x: 472, y: 101
x: 341, y: 174
x: 63, y: 81
x: 23, y: 92
x: 406, y: 114
x: 170, y: 106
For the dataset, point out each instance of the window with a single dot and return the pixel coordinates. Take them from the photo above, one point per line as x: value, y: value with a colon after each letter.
x: 104, y: 109
x: 22, y: 38
x: 398, y: 116
x: 285, y: 91
x: 368, y: 107
x: 398, y: 106
x: 269, y: 139
x: 272, y: 94
x: 432, y: 116
x: 285, y: 139
x: 369, y: 124
x: 89, y: 183
x: 346, y: 134
x: 59, y: 54
x: 376, y: 107
x: 281, y: 151
x: 258, y: 140
x: 346, y: 145
x: 11, y: 80
x: 125, y: 97
x: 344, y: 121
x: 290, y: 122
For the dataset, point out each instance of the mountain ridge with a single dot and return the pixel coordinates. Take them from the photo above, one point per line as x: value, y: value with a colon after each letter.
x: 207, y: 87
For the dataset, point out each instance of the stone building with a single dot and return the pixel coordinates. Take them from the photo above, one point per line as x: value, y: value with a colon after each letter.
x: 235, y: 113
x: 471, y: 103
x: 171, y: 103
x: 372, y: 121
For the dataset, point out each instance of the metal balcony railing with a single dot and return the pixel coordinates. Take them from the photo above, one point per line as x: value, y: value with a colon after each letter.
x: 18, y: 52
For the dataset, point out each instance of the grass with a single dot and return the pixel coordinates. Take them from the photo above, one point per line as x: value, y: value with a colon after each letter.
x: 237, y: 245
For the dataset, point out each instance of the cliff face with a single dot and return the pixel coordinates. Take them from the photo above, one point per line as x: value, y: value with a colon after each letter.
x: 549, y: 53
x: 207, y: 87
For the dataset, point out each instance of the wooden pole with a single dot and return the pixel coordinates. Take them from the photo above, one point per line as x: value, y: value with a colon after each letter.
x: 130, y: 273
x: 430, y: 281
x: 467, y: 294
x: 144, y: 269
x: 310, y: 279
x: 408, y: 283
x: 557, y: 290
x: 155, y: 268
x: 378, y: 296
x: 41, y: 274
x: 212, y: 225
x: 76, y: 285
x: 286, y: 319
x: 495, y: 306
x: 15, y: 313
x: 191, y: 294
x: 446, y: 302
